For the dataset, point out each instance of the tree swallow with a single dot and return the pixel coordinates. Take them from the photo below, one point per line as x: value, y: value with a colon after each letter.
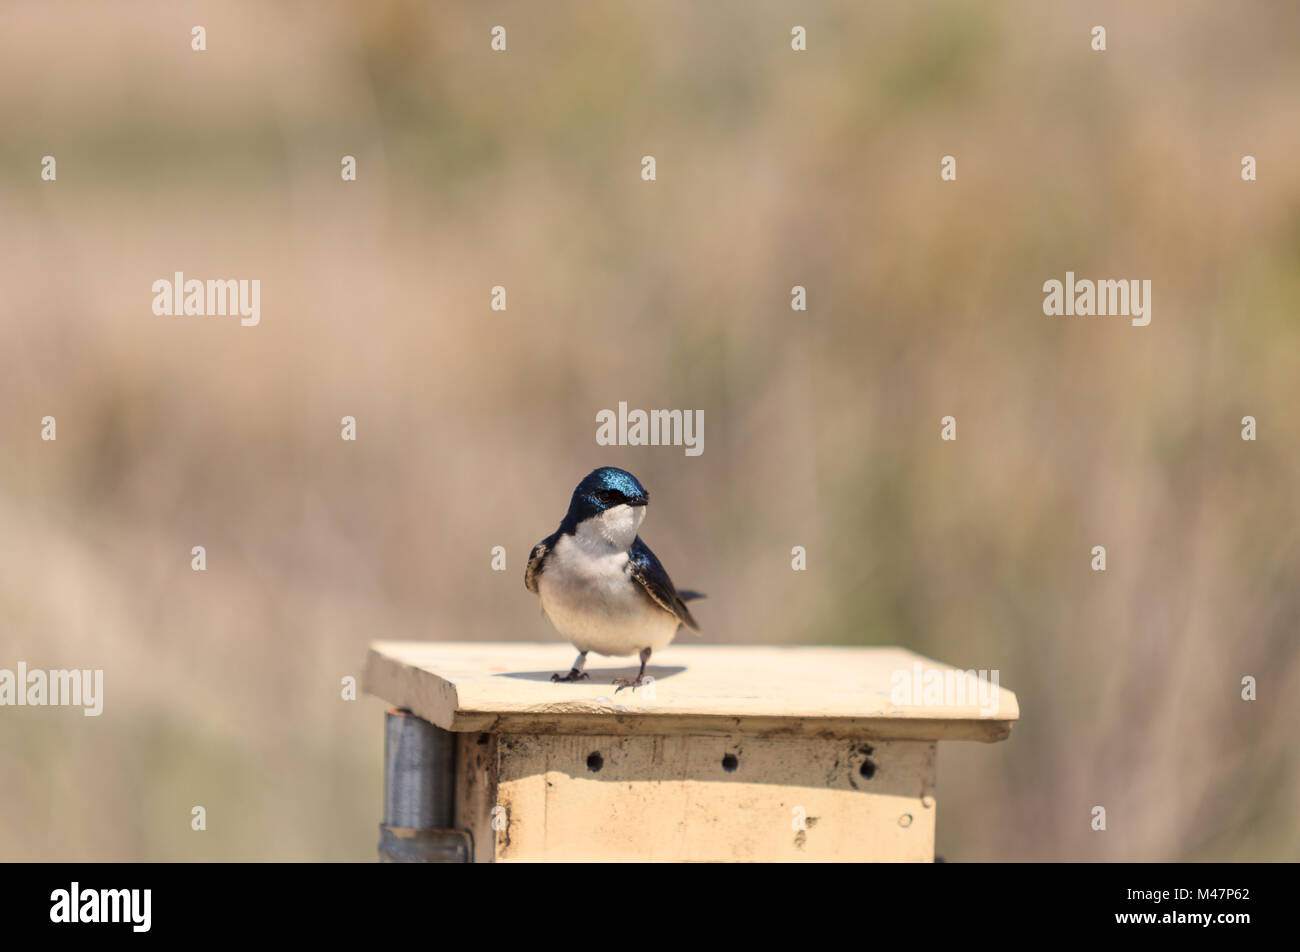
x: 599, y: 584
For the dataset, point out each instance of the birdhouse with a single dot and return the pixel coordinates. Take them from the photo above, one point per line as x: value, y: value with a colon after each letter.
x: 727, y: 753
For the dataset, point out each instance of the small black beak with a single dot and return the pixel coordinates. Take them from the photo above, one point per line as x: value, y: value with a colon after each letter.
x: 642, y: 500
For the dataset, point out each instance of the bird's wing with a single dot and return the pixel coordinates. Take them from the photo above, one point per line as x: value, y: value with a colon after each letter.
x: 654, y: 581
x: 537, y: 559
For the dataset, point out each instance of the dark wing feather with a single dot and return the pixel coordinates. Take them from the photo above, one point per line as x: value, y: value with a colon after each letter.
x: 650, y: 575
x: 537, y: 560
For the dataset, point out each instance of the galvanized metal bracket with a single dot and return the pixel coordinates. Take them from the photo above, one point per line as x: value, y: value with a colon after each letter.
x: 419, y: 785
x: 403, y: 845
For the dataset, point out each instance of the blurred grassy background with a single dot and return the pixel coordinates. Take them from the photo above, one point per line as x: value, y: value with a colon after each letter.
x: 822, y: 429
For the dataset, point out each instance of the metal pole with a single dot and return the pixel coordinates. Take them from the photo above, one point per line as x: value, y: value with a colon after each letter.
x: 419, y: 782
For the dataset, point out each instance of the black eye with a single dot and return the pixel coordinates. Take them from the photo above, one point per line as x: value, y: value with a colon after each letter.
x: 610, y: 497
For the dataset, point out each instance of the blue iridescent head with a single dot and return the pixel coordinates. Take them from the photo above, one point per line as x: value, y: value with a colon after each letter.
x: 603, y: 489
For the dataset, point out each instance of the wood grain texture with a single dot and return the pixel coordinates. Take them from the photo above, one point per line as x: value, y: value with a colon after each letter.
x: 708, y: 690
x: 703, y: 799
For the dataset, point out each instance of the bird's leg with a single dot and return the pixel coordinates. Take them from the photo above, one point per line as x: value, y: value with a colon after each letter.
x: 640, y: 675
x: 575, y: 673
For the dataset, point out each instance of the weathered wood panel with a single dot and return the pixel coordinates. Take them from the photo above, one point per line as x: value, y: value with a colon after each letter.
x: 698, y: 689
x: 687, y: 798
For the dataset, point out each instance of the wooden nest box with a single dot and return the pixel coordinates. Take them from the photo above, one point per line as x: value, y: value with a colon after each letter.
x: 730, y: 753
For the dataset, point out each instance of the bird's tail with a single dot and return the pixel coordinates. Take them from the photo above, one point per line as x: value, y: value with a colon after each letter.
x: 688, y: 620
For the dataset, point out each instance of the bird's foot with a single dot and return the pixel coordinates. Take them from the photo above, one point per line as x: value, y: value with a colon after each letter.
x: 573, y: 675
x: 632, y: 683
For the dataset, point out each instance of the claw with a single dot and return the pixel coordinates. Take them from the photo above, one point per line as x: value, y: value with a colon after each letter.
x: 573, y: 675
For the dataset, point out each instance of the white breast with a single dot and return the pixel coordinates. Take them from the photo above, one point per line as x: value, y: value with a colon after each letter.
x: 592, y: 601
